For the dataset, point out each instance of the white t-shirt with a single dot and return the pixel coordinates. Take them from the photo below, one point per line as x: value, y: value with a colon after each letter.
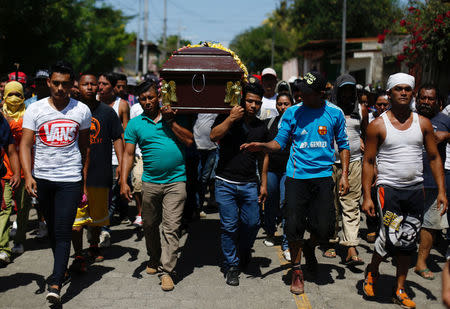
x: 202, y: 130
x: 57, y: 156
x: 268, y: 108
x: 135, y: 111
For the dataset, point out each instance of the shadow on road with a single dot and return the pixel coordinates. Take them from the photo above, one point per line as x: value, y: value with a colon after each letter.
x: 202, y: 247
x: 22, y: 279
x: 84, y: 281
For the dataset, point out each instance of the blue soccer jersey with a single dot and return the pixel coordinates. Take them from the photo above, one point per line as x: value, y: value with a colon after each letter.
x: 313, y: 132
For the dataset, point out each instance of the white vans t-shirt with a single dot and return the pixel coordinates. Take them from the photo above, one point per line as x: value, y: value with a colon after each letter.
x: 57, y: 156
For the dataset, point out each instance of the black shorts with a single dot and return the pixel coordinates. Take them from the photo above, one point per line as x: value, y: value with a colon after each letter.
x: 309, y: 206
x: 402, y: 211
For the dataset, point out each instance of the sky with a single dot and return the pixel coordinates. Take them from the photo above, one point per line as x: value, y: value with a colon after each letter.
x: 198, y: 20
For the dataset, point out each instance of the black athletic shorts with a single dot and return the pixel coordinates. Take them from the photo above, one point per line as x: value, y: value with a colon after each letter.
x: 402, y: 214
x: 309, y: 206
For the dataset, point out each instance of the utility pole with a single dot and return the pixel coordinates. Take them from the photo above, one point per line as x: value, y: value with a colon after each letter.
x: 145, y: 56
x: 164, y: 51
x: 179, y: 35
x: 344, y: 29
x: 138, y: 43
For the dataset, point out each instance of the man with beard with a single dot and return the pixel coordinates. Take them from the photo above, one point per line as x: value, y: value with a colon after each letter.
x: 434, y: 219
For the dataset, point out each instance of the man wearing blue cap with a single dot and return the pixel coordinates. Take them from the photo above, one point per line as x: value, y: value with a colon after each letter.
x: 313, y: 126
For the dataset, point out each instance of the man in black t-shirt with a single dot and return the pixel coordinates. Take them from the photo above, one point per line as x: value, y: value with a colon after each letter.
x: 106, y: 131
x: 237, y: 181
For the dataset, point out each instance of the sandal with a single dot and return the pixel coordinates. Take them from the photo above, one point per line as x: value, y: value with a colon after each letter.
x: 330, y: 253
x: 354, y: 260
x: 423, y: 272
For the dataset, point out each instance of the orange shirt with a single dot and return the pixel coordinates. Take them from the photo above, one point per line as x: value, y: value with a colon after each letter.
x: 16, y: 129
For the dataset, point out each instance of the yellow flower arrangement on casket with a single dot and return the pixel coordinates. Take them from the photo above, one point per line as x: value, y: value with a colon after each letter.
x: 221, y: 47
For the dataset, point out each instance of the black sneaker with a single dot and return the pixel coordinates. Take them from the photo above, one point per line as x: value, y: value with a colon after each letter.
x: 53, y: 295
x: 233, y: 276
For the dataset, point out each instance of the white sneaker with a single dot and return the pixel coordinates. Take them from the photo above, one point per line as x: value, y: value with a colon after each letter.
x: 138, y: 221
x: 287, y: 255
x: 42, y: 230
x: 17, y: 249
x: 269, y: 242
x: 13, y: 231
x: 202, y: 214
x: 4, y: 258
x: 105, y: 239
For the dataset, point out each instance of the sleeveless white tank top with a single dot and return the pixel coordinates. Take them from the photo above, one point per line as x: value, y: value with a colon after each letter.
x: 399, y: 158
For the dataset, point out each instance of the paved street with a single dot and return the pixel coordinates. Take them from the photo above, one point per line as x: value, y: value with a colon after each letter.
x: 121, y: 282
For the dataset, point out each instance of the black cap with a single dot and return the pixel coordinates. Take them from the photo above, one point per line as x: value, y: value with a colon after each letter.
x: 313, y: 81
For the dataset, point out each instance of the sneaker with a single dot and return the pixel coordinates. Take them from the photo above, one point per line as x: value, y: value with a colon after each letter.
x: 13, y: 231
x: 167, y: 283
x: 202, y: 214
x: 369, y: 283
x: 105, y: 239
x: 42, y: 230
x: 401, y: 298
x: 53, y: 295
x: 297, y: 284
x: 4, y: 258
x: 269, y: 241
x: 17, y: 249
x: 233, y: 276
x: 96, y: 254
x: 138, y: 221
x: 78, y: 265
x: 447, y: 254
x: 287, y: 255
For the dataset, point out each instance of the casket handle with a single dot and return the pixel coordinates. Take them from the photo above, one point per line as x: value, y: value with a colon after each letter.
x: 204, y: 83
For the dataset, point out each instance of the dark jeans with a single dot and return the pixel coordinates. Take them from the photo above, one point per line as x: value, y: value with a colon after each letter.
x: 239, y: 219
x: 274, y: 203
x: 58, y: 202
x: 206, y: 172
x: 117, y: 202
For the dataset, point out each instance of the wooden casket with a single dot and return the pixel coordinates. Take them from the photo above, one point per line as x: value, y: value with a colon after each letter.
x: 202, y: 80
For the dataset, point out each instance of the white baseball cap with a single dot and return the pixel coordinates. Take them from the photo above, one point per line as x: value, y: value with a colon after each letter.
x: 269, y: 71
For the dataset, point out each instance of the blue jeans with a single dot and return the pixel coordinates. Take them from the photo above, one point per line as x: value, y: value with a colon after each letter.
x: 239, y: 219
x: 58, y: 202
x: 207, y: 164
x: 275, y: 202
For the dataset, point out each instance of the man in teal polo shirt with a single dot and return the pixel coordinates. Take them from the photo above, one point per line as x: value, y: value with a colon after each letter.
x: 162, y: 141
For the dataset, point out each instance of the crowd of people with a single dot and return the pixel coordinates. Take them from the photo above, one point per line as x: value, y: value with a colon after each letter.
x: 303, y: 153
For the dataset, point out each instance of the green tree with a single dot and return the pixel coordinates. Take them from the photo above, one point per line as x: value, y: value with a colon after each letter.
x: 38, y: 33
x: 296, y: 22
